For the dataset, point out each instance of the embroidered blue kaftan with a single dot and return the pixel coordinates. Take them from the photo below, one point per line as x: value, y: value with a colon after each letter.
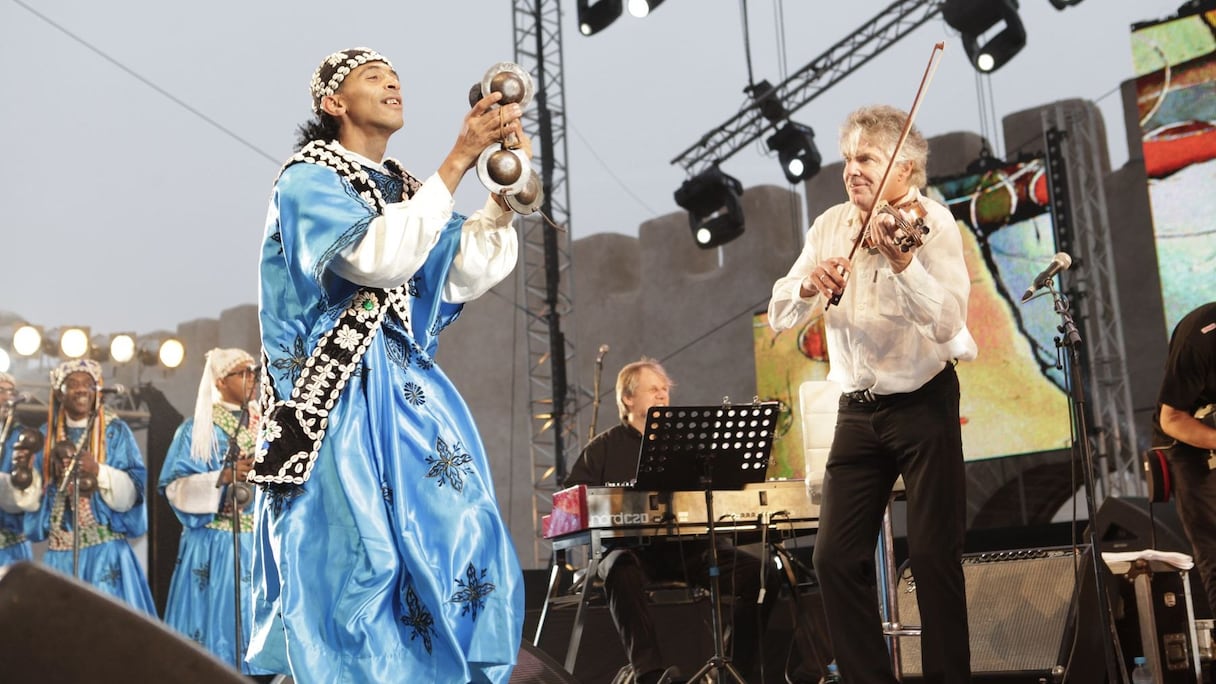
x: 201, y: 597
x: 106, y: 559
x: 13, y: 544
x: 391, y: 563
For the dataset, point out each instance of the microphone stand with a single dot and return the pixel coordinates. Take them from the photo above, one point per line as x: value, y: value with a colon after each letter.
x: 73, y: 472
x: 595, y: 390
x: 1071, y: 340
x: 230, y: 458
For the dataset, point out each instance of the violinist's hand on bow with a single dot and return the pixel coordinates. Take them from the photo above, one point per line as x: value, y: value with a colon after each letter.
x: 886, y: 236
x: 827, y: 278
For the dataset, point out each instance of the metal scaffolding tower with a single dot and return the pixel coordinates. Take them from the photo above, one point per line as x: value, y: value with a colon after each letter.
x: 545, y: 263
x: 1073, y: 135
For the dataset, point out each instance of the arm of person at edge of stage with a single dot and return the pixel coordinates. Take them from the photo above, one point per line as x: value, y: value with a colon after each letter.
x: 1186, y: 428
x: 398, y: 241
x: 196, y: 494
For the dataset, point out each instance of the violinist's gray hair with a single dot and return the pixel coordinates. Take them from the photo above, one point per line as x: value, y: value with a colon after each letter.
x: 882, y: 124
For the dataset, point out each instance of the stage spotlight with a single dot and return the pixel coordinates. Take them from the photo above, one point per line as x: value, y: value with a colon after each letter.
x: 976, y: 19
x: 122, y: 347
x: 715, y: 213
x: 594, y: 17
x: 641, y: 8
x: 74, y: 342
x: 795, y: 148
x: 27, y: 340
x: 172, y: 352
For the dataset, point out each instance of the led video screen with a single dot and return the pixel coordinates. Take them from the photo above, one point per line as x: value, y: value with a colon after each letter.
x: 1175, y: 66
x: 1013, y: 397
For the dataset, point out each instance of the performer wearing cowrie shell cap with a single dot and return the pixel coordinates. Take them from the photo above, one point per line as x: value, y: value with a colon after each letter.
x: 112, y: 510
x: 380, y: 554
x: 198, y: 485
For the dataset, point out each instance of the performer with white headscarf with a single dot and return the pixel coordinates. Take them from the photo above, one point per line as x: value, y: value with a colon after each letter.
x: 197, y: 481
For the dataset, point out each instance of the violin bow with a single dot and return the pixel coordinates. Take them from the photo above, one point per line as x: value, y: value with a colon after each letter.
x: 925, y: 80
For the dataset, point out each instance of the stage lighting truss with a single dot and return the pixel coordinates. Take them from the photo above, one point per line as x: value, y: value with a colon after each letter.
x: 794, y: 144
x: 715, y: 211
x: 991, y: 30
x: 75, y: 342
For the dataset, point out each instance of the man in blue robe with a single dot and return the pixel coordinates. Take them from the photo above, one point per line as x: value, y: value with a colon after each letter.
x: 197, y: 480
x: 380, y: 554
x: 110, y: 475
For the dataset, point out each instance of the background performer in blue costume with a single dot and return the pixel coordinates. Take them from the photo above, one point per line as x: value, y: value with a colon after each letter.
x: 197, y: 482
x: 15, y: 501
x: 112, y: 478
x: 380, y: 554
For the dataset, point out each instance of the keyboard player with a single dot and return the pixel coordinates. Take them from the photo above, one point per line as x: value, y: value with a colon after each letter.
x: 611, y: 458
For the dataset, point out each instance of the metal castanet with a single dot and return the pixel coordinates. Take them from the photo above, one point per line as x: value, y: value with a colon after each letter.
x: 28, y: 441
x: 880, y: 205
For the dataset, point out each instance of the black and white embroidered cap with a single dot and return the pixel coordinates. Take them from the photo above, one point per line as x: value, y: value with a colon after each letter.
x: 329, y: 76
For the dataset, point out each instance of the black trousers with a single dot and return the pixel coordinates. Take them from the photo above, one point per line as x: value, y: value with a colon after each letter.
x: 917, y: 435
x: 1195, y: 500
x: 628, y: 571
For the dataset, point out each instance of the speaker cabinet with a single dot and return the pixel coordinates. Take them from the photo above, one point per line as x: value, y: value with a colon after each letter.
x: 57, y: 629
x: 1019, y: 608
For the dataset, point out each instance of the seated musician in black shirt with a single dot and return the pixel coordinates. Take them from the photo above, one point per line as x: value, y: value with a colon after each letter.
x: 611, y: 458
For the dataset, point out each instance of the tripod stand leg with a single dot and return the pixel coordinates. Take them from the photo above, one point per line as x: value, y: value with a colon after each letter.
x: 719, y: 662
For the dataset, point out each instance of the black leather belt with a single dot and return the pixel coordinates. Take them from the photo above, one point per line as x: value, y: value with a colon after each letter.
x: 862, y: 396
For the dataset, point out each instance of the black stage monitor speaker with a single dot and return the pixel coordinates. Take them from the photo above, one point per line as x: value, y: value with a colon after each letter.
x: 1018, y: 608
x: 534, y: 666
x: 57, y: 629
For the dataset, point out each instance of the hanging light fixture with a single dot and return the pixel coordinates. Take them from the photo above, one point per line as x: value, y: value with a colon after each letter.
x: 594, y: 17
x: 976, y: 19
x: 794, y: 144
x: 715, y: 212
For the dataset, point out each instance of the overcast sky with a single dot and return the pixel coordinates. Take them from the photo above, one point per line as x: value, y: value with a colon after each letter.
x: 142, y: 137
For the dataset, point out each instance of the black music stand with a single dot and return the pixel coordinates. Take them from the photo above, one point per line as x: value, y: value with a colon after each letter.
x: 690, y: 448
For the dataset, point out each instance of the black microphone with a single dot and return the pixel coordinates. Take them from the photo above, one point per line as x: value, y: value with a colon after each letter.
x: 599, y: 358
x: 1060, y: 262
x: 116, y: 388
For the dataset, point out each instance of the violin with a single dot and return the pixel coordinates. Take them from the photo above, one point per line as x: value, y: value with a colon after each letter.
x: 910, y: 227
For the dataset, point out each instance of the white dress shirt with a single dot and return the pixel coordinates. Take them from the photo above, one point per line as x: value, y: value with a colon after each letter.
x: 398, y: 241
x: 892, y: 332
